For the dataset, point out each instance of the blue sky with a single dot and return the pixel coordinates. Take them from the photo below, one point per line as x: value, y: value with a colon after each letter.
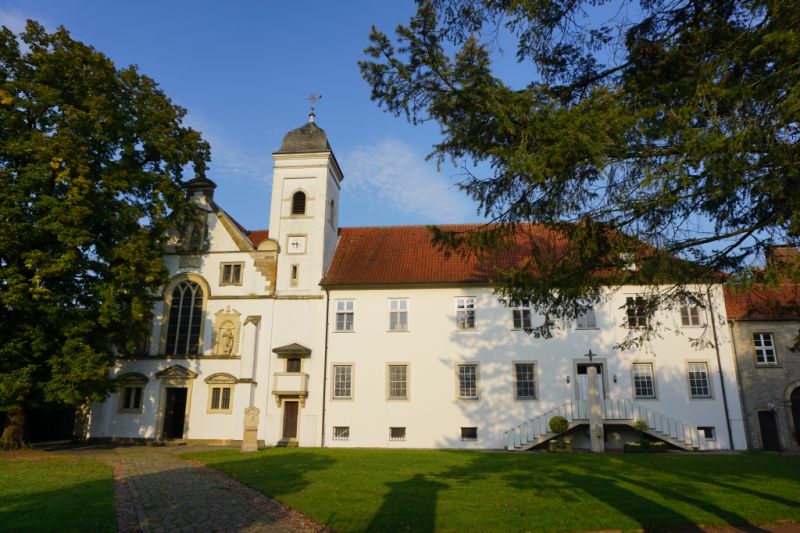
x: 243, y: 71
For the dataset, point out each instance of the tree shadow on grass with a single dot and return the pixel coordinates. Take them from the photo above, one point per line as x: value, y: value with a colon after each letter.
x: 410, y: 505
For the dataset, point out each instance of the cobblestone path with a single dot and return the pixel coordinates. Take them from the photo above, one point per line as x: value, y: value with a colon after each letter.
x: 155, y: 491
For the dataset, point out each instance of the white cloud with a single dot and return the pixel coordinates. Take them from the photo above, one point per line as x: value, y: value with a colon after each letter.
x: 228, y: 159
x: 391, y: 173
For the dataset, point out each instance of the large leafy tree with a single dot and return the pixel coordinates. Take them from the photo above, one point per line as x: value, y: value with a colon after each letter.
x: 91, y: 165
x: 644, y: 130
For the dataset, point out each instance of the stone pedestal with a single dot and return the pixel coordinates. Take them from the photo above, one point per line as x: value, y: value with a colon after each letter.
x: 250, y: 439
x: 595, y: 411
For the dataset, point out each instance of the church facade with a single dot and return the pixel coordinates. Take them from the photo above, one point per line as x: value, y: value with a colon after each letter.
x: 314, y: 335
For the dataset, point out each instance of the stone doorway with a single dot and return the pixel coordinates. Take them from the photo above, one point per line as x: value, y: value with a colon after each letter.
x: 174, y: 412
x: 795, y: 399
x: 769, y: 431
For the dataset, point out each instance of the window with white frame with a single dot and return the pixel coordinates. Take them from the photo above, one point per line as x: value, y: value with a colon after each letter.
x: 468, y: 381
x: 396, y: 433
x: 344, y: 315
x: 398, y: 382
x: 341, y: 432
x: 636, y: 311
x: 525, y: 381
x: 398, y: 314
x: 342, y: 382
x: 469, y: 433
x: 765, y: 349
x: 691, y: 312
x: 521, y: 315
x: 220, y: 398
x: 465, y: 313
x: 699, y: 386
x: 643, y: 381
x: 586, y: 318
x: 230, y: 274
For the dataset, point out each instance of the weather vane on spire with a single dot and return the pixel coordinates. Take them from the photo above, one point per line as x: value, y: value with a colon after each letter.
x: 313, y: 98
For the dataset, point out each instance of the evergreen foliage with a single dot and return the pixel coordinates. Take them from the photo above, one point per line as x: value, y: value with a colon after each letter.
x: 649, y: 130
x: 91, y: 165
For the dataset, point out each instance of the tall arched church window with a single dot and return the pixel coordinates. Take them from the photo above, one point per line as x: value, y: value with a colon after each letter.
x: 299, y: 203
x: 185, y: 319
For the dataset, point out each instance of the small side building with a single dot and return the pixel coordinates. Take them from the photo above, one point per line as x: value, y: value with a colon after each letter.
x: 765, y: 328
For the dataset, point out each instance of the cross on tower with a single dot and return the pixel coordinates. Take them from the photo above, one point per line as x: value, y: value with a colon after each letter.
x: 313, y: 98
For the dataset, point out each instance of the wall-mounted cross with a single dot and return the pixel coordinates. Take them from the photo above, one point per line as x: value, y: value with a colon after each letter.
x: 590, y: 355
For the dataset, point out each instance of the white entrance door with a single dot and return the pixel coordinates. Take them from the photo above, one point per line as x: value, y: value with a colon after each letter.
x: 583, y: 382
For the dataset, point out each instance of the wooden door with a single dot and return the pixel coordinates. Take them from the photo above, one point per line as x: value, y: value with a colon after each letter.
x: 174, y: 413
x: 289, y: 420
x: 769, y: 430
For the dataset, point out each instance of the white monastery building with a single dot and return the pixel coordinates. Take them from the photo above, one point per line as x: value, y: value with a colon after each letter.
x: 314, y: 335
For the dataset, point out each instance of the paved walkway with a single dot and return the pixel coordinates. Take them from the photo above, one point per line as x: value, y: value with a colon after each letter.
x: 155, y: 491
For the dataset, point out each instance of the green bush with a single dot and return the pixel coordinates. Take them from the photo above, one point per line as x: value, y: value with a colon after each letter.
x: 641, y: 425
x: 558, y: 424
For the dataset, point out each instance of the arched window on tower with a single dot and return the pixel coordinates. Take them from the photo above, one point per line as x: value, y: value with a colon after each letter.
x: 332, y: 215
x: 299, y: 203
x: 185, y: 319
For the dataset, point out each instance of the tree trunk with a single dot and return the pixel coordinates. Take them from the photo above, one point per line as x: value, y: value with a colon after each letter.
x: 81, y: 424
x: 14, y: 431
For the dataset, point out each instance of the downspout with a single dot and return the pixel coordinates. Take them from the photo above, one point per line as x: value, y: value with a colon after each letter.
x: 719, y: 366
x: 325, y: 361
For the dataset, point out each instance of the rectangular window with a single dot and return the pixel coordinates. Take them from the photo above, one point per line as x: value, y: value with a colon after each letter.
x: 293, y: 364
x: 643, y: 382
x: 468, y: 382
x: 707, y: 432
x: 342, y: 382
x: 521, y: 314
x: 765, y: 349
x: 231, y: 274
x: 636, y: 310
x: 469, y: 433
x: 295, y: 277
x: 465, y: 313
x: 132, y: 398
x: 397, y: 433
x: 220, y: 399
x: 698, y: 380
x: 398, y: 315
x: 525, y: 381
x: 341, y: 432
x: 586, y: 319
x: 398, y: 382
x: 344, y: 315
x: 690, y: 312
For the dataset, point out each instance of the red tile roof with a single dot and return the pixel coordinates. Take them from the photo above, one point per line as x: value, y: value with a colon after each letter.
x: 256, y: 236
x: 405, y: 254
x: 762, y: 302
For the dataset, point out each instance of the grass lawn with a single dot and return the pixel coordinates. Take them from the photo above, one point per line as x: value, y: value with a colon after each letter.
x: 380, y: 490
x: 54, y: 492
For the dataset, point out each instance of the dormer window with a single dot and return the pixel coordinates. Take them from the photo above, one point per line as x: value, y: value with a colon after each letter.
x: 299, y: 203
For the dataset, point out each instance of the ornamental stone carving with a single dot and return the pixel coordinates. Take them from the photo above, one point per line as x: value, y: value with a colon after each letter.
x: 227, y: 328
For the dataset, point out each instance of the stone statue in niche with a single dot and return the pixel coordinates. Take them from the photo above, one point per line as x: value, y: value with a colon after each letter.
x: 227, y: 330
x: 226, y: 338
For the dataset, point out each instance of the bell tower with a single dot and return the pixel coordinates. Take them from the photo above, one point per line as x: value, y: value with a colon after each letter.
x: 304, y: 211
